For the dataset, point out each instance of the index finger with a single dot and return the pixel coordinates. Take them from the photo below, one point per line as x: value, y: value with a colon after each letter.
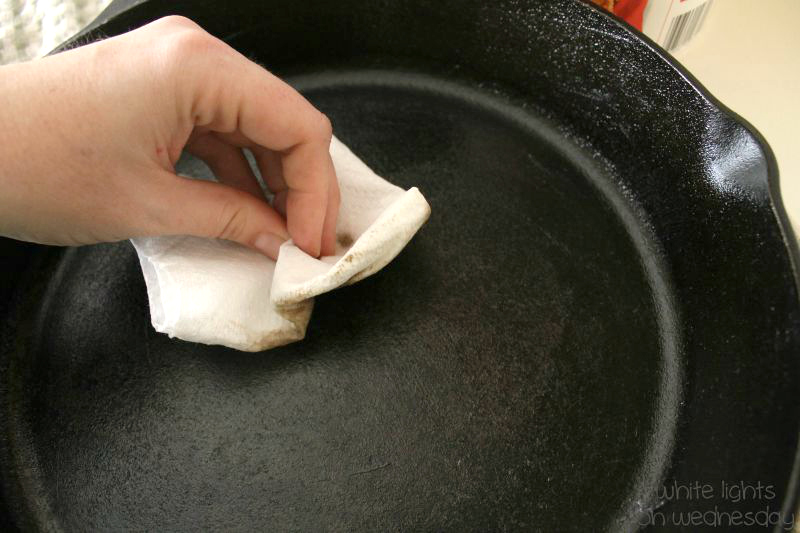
x: 272, y: 114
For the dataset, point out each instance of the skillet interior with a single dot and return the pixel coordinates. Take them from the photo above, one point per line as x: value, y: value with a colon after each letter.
x: 602, y: 301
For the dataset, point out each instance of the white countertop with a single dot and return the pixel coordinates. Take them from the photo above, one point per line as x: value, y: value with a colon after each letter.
x: 748, y: 56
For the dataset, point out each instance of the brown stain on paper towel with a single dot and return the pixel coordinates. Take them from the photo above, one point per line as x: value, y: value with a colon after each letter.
x: 344, y: 240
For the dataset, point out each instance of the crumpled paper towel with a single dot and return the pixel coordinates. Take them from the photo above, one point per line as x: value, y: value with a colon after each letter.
x: 218, y: 292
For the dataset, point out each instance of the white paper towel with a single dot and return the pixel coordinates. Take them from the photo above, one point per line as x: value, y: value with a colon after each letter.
x: 218, y: 292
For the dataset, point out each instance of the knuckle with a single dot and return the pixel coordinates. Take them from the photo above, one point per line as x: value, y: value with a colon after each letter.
x: 176, y: 21
x: 321, y: 127
x: 233, y: 221
x: 192, y: 41
x: 187, y: 43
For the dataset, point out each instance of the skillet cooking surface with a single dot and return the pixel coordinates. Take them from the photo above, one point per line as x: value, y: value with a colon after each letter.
x: 560, y: 340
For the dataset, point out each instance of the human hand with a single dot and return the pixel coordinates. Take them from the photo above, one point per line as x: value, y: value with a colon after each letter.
x: 89, y: 138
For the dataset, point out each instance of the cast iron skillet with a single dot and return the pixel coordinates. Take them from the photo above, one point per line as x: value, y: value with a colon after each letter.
x: 603, y: 303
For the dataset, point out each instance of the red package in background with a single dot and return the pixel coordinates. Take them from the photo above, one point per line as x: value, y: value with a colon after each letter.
x: 631, y: 11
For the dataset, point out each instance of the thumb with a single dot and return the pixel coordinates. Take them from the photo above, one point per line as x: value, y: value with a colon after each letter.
x: 208, y: 209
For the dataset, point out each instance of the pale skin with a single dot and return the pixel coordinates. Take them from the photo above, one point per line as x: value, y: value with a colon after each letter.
x: 89, y: 139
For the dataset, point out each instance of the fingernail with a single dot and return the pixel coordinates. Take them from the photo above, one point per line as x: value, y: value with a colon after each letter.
x: 269, y: 244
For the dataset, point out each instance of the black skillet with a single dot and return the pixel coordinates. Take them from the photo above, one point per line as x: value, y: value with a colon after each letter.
x: 603, y: 307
